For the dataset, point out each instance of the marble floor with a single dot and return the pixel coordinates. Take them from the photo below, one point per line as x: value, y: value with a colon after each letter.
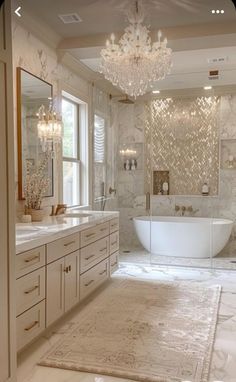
x: 140, y: 255
x: 223, y: 367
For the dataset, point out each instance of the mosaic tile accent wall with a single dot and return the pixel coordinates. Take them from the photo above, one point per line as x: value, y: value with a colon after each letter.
x: 182, y: 137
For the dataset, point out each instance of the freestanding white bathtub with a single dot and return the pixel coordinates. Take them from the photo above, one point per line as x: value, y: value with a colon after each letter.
x: 183, y: 236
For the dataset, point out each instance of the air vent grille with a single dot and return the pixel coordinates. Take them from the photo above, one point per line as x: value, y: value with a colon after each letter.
x: 70, y: 18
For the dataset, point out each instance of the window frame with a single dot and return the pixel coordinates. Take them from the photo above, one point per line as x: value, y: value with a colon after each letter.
x: 103, y: 164
x: 76, y: 159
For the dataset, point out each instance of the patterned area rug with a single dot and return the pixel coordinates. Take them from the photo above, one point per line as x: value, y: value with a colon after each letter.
x: 143, y: 331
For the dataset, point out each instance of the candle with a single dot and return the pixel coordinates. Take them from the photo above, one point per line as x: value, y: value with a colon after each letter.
x: 26, y: 219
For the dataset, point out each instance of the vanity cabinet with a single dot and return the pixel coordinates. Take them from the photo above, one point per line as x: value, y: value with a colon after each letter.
x: 53, y: 278
x: 30, y: 295
x: 91, y: 279
x: 62, y: 286
x: 114, y: 262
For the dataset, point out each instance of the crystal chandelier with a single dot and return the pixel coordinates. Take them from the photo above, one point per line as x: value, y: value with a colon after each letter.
x: 135, y: 63
x: 49, y: 128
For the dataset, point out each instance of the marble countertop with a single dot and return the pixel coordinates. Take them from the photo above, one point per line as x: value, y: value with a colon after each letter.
x: 32, y: 235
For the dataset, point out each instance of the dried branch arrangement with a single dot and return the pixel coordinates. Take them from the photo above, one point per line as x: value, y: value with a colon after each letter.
x: 36, y: 184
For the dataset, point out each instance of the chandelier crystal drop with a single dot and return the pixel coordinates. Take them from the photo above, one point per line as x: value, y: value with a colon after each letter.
x: 49, y: 127
x: 135, y: 63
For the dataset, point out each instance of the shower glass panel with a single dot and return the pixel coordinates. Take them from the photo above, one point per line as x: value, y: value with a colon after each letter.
x: 182, y: 162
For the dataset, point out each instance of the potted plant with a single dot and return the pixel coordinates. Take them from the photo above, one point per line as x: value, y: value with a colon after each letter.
x: 35, y: 187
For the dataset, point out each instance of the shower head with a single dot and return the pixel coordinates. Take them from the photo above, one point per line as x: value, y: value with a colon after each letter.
x: 126, y: 100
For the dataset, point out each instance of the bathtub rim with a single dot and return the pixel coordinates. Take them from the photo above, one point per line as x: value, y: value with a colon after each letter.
x: 182, y: 219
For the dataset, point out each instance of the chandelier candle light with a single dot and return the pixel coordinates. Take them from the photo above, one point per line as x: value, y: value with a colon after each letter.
x: 49, y: 127
x: 135, y: 63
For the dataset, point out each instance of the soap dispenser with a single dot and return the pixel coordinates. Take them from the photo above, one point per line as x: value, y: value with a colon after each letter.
x: 205, y: 189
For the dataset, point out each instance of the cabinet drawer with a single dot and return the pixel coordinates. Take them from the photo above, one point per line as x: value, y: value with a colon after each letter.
x: 114, y: 242
x: 30, y: 324
x: 93, y: 254
x: 92, y: 234
x: 30, y: 289
x: 62, y: 247
x: 114, y: 225
x: 114, y: 262
x: 91, y: 279
x: 27, y: 262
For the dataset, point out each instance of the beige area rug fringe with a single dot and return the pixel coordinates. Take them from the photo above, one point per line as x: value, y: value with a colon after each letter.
x: 143, y: 331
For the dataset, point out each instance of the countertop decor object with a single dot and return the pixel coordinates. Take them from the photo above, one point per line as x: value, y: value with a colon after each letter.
x: 35, y: 188
x: 26, y: 218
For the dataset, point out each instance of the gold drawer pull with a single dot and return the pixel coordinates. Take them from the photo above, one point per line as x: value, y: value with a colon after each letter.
x: 89, y: 283
x: 114, y: 224
x: 90, y: 234
x: 31, y: 326
x: 31, y: 289
x: 67, y: 269
x: 89, y: 257
x: 32, y: 258
x: 113, y: 264
x: 70, y: 243
x: 104, y: 229
x: 103, y: 249
x: 102, y: 273
x: 114, y: 242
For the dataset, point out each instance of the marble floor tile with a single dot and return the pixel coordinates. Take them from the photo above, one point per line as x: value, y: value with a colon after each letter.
x: 223, y: 366
x: 140, y: 255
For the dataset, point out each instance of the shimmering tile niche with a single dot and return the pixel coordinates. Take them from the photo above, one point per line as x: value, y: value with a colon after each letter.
x: 182, y: 137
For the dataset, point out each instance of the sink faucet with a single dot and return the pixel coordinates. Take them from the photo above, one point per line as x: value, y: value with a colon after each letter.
x: 191, y: 210
x: 180, y: 208
x: 59, y: 209
x: 112, y: 191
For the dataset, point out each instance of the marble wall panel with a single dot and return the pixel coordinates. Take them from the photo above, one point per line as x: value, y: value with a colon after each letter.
x: 132, y: 203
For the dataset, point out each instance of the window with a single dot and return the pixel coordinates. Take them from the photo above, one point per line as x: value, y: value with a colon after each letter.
x: 71, y: 153
x: 99, y: 157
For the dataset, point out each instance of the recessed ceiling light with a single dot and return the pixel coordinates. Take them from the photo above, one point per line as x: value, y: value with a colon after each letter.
x: 156, y: 91
x: 222, y: 11
x: 217, y: 11
x: 213, y: 11
x: 207, y: 87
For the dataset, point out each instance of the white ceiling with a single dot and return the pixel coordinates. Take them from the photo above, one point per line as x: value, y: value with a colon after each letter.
x: 195, y: 34
x: 105, y: 16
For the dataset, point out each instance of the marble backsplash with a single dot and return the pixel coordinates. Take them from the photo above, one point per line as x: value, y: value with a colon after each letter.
x: 131, y: 194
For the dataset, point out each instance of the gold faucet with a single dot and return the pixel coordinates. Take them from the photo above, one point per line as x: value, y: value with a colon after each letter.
x: 59, y: 209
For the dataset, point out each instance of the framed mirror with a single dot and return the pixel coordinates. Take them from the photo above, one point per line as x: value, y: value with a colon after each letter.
x: 32, y: 92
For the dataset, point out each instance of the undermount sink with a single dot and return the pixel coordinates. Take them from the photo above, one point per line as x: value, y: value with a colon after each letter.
x: 77, y: 215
